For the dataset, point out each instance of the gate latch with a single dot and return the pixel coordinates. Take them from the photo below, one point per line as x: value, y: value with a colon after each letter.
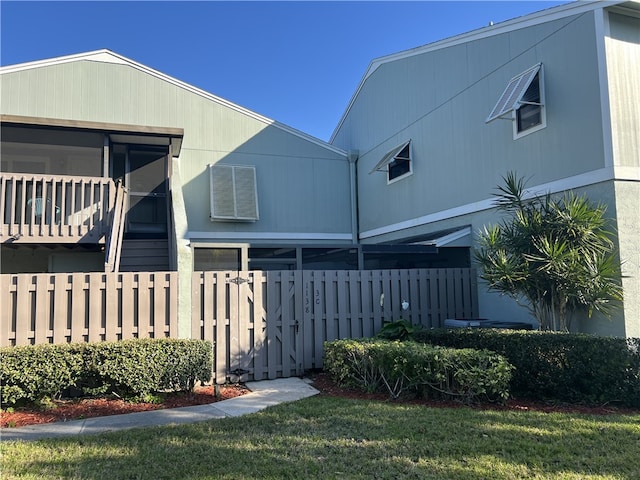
x: 238, y: 280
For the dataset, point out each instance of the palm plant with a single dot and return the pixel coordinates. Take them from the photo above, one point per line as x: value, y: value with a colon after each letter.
x: 554, y: 256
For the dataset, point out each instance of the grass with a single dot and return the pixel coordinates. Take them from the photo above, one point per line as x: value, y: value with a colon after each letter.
x: 324, y: 437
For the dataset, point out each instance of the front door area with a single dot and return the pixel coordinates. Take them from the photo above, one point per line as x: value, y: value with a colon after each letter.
x: 143, y: 170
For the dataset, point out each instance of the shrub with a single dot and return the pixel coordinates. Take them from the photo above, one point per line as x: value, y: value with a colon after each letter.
x: 136, y: 368
x: 37, y: 372
x: 130, y: 368
x: 564, y: 367
x: 410, y: 367
x: 351, y: 363
x: 398, y: 330
x: 557, y: 253
x: 187, y: 362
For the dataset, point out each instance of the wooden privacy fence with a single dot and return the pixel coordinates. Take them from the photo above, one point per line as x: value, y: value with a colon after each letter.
x: 263, y: 325
x: 273, y: 324
x: 87, y: 307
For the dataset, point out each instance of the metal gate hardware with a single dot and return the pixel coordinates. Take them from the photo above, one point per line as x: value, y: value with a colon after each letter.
x: 238, y: 280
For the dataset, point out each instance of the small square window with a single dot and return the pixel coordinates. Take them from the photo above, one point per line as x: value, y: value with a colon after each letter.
x: 396, y: 162
x: 523, y: 100
x: 400, y: 165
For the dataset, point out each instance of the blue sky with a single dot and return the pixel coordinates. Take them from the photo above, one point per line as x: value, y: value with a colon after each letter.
x: 295, y: 62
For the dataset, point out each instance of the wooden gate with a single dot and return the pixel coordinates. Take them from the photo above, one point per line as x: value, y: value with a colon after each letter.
x: 253, y: 319
x: 267, y: 325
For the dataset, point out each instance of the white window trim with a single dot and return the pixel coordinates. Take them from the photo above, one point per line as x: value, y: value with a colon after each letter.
x: 510, y: 100
x: 404, y: 175
x: 543, y: 111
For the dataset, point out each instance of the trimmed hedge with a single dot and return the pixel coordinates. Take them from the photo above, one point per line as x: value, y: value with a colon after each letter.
x: 575, y: 368
x: 410, y: 367
x: 37, y: 372
x: 130, y: 368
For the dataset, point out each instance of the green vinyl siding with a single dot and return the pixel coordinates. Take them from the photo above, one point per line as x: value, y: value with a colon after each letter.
x: 440, y: 100
x: 303, y: 186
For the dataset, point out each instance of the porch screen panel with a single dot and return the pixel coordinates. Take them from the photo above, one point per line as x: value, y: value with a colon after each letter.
x: 53, y: 152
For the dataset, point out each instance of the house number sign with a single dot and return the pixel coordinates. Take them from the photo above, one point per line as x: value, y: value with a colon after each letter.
x: 307, y: 297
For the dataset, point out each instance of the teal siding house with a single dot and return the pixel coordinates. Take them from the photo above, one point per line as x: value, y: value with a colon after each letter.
x: 108, y: 165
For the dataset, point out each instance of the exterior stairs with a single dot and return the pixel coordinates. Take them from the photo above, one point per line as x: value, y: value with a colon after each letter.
x: 144, y: 255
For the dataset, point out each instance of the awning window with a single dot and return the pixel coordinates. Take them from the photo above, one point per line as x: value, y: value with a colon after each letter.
x: 400, y: 153
x: 514, y: 95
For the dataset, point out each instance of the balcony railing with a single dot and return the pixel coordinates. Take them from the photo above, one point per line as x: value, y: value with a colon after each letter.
x: 54, y: 208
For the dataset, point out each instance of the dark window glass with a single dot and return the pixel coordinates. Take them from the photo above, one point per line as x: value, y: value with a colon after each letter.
x: 400, y: 165
x: 206, y: 259
x: 529, y: 115
x: 329, y: 259
x: 272, y: 258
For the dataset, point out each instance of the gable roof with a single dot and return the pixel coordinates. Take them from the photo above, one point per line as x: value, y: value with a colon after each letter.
x: 536, y: 18
x: 107, y: 56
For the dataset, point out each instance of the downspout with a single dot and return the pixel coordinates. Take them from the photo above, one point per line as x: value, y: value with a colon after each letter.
x: 353, y: 158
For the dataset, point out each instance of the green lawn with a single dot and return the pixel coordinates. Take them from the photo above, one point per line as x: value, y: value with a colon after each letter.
x: 322, y: 437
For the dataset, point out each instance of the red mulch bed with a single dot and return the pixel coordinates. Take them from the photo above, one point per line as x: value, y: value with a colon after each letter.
x: 65, y: 410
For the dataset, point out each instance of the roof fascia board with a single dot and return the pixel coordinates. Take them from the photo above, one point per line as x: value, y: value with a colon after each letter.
x: 442, y: 240
x: 175, y: 135
x: 88, y: 125
x: 293, y: 236
x: 452, y: 237
x: 103, y: 55
x: 107, y: 56
x: 532, y: 19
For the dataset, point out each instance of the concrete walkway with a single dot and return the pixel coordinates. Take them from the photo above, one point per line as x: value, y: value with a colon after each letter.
x: 263, y: 394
